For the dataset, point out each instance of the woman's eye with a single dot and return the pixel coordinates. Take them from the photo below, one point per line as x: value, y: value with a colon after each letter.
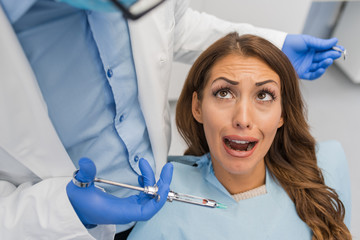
x: 264, y: 96
x: 223, y: 94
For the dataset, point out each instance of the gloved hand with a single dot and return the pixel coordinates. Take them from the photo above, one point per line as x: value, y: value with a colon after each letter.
x: 309, y: 55
x: 93, y: 206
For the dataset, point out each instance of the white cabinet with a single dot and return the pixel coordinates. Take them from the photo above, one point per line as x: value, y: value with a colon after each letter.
x: 348, y: 32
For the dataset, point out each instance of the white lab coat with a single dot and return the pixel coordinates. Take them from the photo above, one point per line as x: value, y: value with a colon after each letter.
x: 34, y: 166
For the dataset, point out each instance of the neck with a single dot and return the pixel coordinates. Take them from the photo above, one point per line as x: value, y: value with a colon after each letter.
x: 238, y: 183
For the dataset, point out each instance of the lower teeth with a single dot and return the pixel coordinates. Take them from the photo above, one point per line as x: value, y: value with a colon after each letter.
x: 250, y: 146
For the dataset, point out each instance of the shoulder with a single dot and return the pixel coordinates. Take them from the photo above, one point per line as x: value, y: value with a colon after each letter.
x: 331, y: 150
x: 188, y: 160
x: 333, y: 164
x: 188, y: 169
x: 331, y: 158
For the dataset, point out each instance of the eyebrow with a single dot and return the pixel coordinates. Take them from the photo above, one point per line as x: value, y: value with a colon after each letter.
x: 236, y: 83
x: 227, y: 80
x: 265, y: 82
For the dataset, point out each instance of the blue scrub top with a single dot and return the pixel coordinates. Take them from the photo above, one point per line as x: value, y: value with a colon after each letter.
x: 269, y: 216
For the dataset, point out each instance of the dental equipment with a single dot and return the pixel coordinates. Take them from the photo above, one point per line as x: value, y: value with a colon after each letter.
x: 152, y: 190
x: 340, y: 50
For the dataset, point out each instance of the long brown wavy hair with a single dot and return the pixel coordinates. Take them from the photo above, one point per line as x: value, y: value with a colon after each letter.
x: 291, y: 158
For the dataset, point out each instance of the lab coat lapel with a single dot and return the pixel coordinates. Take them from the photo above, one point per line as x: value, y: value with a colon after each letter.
x: 27, y: 133
x: 152, y: 53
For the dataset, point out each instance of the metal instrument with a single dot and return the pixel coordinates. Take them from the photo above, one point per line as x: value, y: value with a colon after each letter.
x: 152, y: 190
x: 340, y: 50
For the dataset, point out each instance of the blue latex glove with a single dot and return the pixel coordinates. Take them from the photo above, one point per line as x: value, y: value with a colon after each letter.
x: 309, y: 55
x: 93, y: 206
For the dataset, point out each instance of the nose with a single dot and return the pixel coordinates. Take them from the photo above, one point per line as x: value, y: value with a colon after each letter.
x: 242, y: 118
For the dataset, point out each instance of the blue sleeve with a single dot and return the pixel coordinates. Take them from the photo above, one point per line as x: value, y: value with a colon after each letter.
x: 332, y: 161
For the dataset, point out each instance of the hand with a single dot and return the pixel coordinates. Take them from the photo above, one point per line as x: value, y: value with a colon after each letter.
x: 310, y: 56
x: 93, y: 206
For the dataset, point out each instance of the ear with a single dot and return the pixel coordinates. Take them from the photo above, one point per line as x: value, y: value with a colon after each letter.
x: 281, y: 122
x: 196, y: 108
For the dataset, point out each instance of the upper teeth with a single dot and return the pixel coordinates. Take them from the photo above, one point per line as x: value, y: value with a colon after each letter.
x: 240, y: 142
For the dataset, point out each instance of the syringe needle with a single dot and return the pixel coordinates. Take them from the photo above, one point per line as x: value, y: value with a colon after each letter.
x: 194, y: 200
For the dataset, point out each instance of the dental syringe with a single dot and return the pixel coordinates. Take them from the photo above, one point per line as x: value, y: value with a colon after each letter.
x: 152, y: 190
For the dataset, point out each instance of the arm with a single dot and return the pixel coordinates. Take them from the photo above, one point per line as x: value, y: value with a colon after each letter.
x: 39, y: 211
x: 195, y: 31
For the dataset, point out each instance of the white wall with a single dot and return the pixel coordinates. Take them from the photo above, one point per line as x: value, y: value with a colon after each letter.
x: 333, y: 100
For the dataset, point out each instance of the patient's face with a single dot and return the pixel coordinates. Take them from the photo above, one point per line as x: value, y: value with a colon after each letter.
x: 240, y: 112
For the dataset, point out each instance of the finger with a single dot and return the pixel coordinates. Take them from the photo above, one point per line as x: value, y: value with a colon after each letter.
x: 151, y: 207
x: 148, y: 177
x: 313, y: 75
x: 141, y: 181
x: 165, y: 177
x: 341, y: 47
x: 166, y: 174
x: 320, y: 44
x: 323, y: 64
x: 87, y: 170
x: 327, y: 54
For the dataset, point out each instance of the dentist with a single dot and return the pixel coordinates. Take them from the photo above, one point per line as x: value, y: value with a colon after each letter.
x: 80, y: 80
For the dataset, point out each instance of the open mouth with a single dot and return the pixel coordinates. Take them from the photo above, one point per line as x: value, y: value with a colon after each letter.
x: 239, y: 145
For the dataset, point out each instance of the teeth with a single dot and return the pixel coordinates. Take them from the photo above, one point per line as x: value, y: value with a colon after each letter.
x: 231, y: 143
x: 250, y: 146
x: 240, y: 142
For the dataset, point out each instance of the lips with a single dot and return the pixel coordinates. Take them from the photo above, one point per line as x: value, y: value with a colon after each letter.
x: 240, y: 146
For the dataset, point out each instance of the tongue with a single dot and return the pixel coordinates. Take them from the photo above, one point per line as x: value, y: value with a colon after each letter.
x: 238, y: 146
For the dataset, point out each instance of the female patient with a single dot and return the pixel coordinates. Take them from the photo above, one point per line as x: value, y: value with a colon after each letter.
x: 242, y: 116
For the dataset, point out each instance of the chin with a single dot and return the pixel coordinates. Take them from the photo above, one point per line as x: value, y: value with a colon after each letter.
x: 240, y: 166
